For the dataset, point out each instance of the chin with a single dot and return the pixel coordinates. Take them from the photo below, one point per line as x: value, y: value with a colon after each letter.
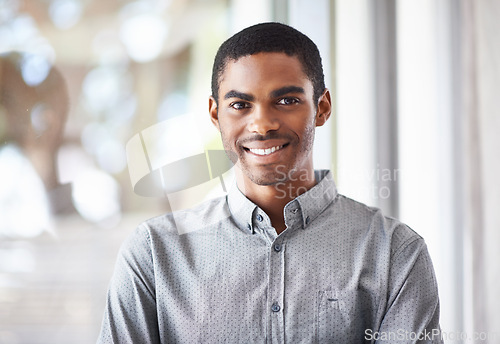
x: 264, y: 178
x: 264, y: 181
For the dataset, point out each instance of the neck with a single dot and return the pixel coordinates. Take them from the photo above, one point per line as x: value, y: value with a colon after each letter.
x: 273, y: 198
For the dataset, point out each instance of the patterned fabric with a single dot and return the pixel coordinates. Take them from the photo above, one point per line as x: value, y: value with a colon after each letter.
x: 340, y: 273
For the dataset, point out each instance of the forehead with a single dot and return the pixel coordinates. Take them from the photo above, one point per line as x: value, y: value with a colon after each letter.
x: 264, y: 71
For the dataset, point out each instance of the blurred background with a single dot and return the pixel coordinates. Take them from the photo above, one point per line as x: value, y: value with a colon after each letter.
x: 415, y: 86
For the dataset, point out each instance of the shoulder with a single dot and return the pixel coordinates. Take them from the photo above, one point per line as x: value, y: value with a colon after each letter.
x: 371, y: 222
x: 172, y: 231
x: 201, y: 218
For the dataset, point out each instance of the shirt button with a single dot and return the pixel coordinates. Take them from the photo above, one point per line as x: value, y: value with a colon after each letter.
x: 295, y: 211
x: 308, y: 219
x: 260, y: 218
x: 277, y: 247
x: 275, y: 307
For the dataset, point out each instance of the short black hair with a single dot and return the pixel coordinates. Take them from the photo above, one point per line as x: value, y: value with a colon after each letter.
x: 271, y: 37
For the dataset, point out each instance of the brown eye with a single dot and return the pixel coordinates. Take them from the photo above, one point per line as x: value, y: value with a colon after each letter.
x: 288, y: 101
x: 239, y: 105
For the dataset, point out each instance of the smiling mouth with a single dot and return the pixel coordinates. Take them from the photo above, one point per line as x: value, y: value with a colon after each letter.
x: 265, y: 151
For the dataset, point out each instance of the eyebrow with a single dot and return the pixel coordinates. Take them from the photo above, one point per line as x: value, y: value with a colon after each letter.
x: 274, y: 94
x: 285, y: 90
x: 236, y: 94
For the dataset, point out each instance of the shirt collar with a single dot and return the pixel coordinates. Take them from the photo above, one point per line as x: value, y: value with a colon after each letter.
x: 315, y: 200
x: 310, y: 204
x: 241, y: 208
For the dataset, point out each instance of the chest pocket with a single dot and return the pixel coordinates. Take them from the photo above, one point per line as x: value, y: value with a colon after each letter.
x: 342, y: 316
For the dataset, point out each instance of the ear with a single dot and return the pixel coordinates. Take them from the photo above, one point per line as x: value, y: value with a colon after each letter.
x: 324, y: 108
x: 214, y: 114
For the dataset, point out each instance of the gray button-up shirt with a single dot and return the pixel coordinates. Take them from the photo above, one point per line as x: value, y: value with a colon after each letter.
x: 341, y: 272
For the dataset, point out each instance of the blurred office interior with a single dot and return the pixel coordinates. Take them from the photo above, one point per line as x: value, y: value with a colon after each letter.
x: 414, y: 132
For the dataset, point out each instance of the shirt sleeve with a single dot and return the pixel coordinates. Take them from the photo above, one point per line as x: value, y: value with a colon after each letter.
x: 412, y: 314
x: 130, y: 315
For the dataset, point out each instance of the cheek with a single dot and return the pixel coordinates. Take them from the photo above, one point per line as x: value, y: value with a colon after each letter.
x: 308, y: 133
x: 227, y: 135
x: 304, y: 124
x: 231, y: 129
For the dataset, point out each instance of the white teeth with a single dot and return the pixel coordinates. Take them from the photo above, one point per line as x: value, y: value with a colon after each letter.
x: 266, y: 151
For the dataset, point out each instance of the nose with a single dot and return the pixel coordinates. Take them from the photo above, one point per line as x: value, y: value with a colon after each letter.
x: 262, y: 121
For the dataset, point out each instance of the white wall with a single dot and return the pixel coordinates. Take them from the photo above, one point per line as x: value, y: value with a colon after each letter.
x: 354, y: 101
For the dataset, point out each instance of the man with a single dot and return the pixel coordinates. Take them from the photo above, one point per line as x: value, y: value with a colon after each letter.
x: 287, y: 259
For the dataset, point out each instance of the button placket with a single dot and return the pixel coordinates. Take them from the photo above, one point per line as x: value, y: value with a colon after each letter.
x: 276, y: 291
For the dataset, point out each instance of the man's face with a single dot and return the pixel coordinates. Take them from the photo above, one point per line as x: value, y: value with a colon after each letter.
x: 267, y: 116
